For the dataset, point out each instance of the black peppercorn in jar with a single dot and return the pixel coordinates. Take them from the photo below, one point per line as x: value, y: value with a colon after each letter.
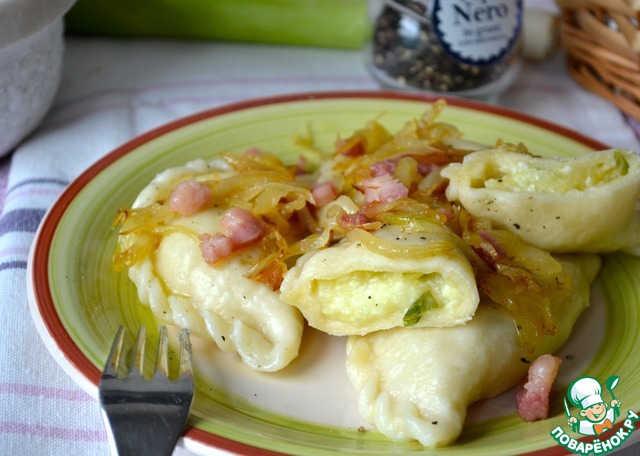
x: 469, y: 48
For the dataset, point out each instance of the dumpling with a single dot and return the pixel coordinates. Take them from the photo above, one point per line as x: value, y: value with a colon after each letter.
x: 218, y: 302
x: 585, y: 204
x: 416, y: 384
x: 384, y: 279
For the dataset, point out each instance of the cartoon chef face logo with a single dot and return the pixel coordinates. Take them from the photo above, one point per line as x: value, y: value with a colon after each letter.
x: 596, y: 415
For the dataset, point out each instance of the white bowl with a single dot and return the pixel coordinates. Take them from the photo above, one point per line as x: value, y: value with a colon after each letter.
x: 31, y: 51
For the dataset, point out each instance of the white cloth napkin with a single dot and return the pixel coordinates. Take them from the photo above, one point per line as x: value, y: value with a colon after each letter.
x: 113, y: 90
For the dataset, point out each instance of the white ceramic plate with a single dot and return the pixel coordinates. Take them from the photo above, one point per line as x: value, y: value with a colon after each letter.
x: 309, y: 408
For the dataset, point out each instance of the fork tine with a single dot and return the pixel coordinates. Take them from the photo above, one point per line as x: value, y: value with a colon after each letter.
x: 137, y: 366
x: 113, y: 360
x: 162, y: 364
x: 185, y: 354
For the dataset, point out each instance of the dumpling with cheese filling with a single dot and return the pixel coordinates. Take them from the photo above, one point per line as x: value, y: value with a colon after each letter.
x: 416, y: 384
x: 213, y: 301
x: 585, y: 204
x: 383, y: 279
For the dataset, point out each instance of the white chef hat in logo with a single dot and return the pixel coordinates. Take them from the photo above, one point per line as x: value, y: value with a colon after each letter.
x: 586, y: 392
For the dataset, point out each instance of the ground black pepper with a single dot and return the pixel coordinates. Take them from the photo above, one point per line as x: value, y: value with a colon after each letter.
x: 407, y: 52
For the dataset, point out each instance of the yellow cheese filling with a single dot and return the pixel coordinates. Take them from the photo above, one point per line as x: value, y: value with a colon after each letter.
x: 361, y: 297
x: 526, y: 176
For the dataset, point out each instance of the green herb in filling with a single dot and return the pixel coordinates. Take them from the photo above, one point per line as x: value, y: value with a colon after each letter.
x: 621, y: 163
x: 424, y: 303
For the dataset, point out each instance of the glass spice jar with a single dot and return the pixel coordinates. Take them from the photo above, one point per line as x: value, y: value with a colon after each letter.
x: 468, y: 48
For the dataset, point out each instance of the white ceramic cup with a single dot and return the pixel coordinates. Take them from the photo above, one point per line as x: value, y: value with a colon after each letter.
x: 31, y: 55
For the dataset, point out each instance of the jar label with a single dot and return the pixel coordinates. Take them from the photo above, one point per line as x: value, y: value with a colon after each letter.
x: 477, y: 32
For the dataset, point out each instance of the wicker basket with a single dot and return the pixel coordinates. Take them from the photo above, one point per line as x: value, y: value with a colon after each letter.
x: 602, y: 40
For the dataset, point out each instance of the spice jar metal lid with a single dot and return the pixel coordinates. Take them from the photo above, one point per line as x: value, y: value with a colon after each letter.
x: 460, y: 47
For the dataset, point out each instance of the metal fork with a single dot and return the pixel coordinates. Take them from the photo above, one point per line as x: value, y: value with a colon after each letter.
x: 146, y: 416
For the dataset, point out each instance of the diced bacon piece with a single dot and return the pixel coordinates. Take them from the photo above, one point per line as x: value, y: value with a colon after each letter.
x: 323, y: 193
x: 383, y: 188
x: 241, y: 226
x: 533, y: 396
x: 189, y: 197
x: 351, y: 147
x: 425, y: 169
x: 383, y: 167
x: 389, y: 167
x: 447, y: 213
x: 351, y: 221
x: 216, y: 247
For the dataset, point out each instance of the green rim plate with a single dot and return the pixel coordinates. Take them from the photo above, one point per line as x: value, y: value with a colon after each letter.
x: 78, y: 301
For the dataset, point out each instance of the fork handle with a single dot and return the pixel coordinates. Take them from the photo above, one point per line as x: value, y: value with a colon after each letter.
x: 138, y: 433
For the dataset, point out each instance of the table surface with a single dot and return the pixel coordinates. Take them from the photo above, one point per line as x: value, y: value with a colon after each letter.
x: 113, y: 90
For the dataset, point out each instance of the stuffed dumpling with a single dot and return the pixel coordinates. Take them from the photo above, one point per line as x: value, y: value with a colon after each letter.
x: 585, y: 204
x: 416, y: 384
x: 383, y: 279
x: 177, y: 281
